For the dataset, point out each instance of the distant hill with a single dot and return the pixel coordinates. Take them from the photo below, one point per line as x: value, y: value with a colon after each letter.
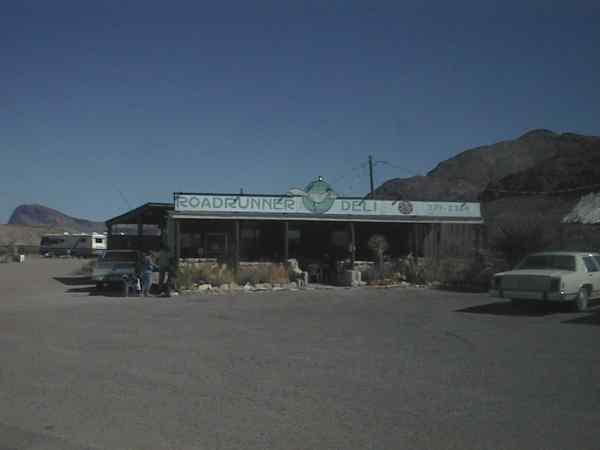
x: 35, y: 215
x: 506, y: 165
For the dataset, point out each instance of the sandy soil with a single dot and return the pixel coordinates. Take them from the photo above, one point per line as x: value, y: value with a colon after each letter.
x: 333, y: 369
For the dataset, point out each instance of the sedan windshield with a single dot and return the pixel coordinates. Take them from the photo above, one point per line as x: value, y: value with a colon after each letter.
x: 560, y: 262
x: 119, y: 256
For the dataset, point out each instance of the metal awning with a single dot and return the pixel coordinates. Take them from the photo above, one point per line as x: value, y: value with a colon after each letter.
x: 322, y: 218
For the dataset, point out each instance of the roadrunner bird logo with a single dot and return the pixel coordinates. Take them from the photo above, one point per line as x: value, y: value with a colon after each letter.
x: 318, y: 197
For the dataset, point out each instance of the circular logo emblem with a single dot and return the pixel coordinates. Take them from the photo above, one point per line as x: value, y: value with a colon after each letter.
x: 318, y: 197
x: 405, y: 207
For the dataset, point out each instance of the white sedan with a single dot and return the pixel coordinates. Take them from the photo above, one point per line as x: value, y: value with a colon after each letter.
x: 551, y: 277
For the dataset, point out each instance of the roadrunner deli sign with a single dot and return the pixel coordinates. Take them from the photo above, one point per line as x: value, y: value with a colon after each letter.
x: 318, y: 198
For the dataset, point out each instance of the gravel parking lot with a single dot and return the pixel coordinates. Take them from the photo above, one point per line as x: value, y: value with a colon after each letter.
x: 325, y: 369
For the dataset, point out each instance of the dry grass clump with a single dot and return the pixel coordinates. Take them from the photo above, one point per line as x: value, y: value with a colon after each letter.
x: 271, y: 273
x: 279, y: 274
x: 217, y: 275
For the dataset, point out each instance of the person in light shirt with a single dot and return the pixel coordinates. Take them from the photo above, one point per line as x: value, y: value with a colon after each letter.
x: 148, y: 268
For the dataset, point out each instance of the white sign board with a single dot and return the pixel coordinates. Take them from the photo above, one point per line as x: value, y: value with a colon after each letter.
x: 209, y: 203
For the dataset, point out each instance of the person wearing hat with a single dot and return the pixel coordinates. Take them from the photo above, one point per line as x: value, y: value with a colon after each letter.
x: 147, y: 269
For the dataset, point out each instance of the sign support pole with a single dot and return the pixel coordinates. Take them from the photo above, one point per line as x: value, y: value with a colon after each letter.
x: 236, y: 249
x: 352, y: 243
x: 286, y: 246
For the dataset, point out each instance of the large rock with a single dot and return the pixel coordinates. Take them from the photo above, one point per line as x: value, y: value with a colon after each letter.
x: 352, y: 278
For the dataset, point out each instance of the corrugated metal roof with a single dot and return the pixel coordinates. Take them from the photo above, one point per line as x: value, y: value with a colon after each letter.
x: 149, y: 213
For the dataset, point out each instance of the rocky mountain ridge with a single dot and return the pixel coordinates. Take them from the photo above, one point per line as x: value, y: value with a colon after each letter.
x: 536, y: 161
x: 35, y: 215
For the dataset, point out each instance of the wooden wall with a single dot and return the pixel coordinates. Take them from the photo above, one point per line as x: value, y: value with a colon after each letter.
x: 440, y: 240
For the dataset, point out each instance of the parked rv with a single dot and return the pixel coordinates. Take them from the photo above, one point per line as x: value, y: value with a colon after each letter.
x: 80, y: 245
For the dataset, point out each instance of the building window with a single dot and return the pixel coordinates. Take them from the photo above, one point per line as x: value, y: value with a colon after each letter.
x: 216, y: 245
x: 590, y: 265
x: 250, y: 242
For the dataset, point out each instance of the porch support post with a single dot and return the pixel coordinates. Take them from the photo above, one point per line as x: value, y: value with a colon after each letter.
x: 177, y: 242
x: 162, y: 226
x: 108, y: 236
x: 286, y: 246
x: 438, y: 241
x: 236, y: 248
x: 415, y: 239
x: 140, y: 232
x: 352, y: 243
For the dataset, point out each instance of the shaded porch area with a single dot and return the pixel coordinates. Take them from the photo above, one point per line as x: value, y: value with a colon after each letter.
x: 322, y: 247
x: 143, y: 228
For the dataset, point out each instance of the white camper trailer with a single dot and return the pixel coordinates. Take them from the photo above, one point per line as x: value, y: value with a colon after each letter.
x: 81, y: 245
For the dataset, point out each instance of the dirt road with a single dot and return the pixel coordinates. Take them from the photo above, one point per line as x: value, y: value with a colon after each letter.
x: 336, y: 369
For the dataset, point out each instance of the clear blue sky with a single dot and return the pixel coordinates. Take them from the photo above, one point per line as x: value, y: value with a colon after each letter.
x: 148, y: 98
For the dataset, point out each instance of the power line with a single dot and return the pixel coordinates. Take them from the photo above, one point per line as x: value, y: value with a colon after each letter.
x: 558, y: 191
x: 355, y: 174
x: 393, y: 166
x: 371, y: 174
x: 358, y: 178
x: 124, y: 198
x: 350, y: 173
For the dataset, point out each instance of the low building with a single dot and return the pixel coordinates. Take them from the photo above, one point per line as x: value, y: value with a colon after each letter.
x: 312, y: 225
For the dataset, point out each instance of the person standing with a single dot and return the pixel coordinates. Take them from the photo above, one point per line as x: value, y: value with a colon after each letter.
x: 164, y: 262
x: 147, y: 269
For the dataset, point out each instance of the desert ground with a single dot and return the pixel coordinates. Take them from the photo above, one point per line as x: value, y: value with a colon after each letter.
x: 322, y: 369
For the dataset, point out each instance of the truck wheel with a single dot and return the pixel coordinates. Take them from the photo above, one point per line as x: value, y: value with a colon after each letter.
x: 581, y: 302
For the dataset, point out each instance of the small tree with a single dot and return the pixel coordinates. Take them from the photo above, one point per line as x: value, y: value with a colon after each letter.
x: 378, y: 245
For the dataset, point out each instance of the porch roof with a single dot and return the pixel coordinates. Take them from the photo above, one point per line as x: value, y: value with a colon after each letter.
x: 146, y: 214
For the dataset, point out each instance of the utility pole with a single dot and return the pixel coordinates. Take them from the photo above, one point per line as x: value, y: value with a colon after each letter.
x: 371, y: 173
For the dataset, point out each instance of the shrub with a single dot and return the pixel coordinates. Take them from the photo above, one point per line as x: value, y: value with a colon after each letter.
x: 185, y: 276
x: 464, y: 273
x: 219, y: 274
x: 188, y: 275
x: 413, y: 270
x: 279, y: 274
x: 515, y: 237
x: 271, y: 273
x: 378, y: 245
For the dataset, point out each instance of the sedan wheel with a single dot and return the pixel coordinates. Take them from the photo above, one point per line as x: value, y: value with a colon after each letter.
x: 581, y: 302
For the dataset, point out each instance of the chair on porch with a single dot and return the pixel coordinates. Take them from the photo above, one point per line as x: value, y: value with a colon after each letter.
x: 315, y: 272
